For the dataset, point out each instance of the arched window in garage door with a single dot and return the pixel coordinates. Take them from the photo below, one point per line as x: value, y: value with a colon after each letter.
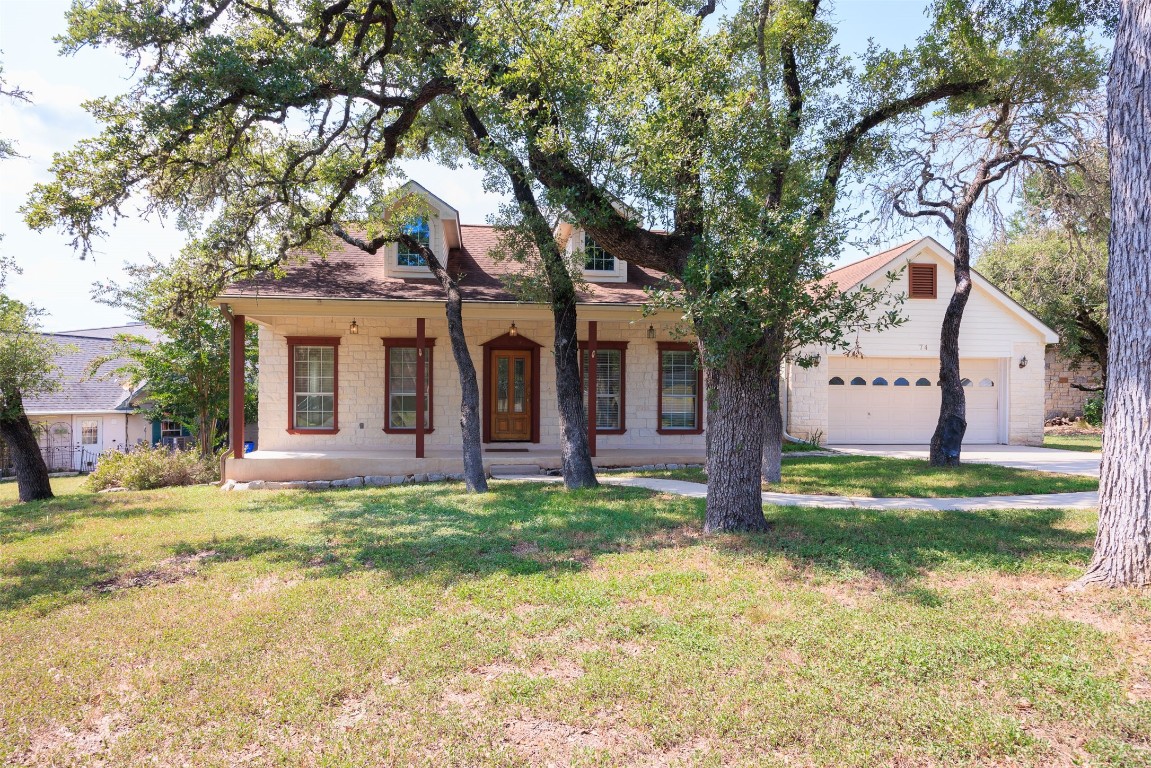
x: 965, y: 382
x: 879, y: 381
x: 922, y: 382
x: 836, y: 381
x: 987, y: 383
x: 902, y: 382
x: 859, y: 381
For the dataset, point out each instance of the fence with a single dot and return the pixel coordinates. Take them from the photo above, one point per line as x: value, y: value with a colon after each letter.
x: 58, y: 458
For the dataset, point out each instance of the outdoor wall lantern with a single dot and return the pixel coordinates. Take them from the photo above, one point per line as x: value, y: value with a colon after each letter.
x: 651, y: 331
x: 1023, y: 362
x: 513, y: 331
x: 354, y: 327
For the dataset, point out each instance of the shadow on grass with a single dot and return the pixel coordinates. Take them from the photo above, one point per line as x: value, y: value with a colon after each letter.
x: 438, y: 533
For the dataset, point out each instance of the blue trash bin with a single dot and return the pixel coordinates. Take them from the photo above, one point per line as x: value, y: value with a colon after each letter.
x: 249, y: 446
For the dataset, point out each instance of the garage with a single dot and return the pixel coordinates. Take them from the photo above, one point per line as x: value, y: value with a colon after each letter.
x: 896, y: 400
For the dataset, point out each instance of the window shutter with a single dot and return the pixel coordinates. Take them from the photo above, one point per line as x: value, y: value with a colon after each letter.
x: 921, y: 281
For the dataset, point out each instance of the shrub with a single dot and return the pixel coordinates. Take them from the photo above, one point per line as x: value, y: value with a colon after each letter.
x: 1093, y: 410
x: 152, y: 467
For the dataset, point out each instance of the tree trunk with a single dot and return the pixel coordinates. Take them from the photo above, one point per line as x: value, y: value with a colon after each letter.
x: 947, y: 441
x: 27, y: 461
x: 206, y: 433
x: 575, y: 453
x: 475, y: 479
x: 772, y: 463
x: 735, y: 425
x: 1123, y: 544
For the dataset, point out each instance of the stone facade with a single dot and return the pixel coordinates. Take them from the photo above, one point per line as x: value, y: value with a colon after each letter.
x: 1061, y: 398
x: 806, y: 408
x: 1025, y: 395
x: 361, y: 381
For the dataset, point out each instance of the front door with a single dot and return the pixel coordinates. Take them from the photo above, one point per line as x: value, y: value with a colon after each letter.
x: 511, y: 416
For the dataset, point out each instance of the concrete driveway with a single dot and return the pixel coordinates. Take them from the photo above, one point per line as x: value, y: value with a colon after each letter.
x: 1018, y: 456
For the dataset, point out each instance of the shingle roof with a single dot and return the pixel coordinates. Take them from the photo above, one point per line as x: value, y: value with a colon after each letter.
x: 110, y: 332
x: 79, y: 392
x: 849, y: 275
x: 349, y: 273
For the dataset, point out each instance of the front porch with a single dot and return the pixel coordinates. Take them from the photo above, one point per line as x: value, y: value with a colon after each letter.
x: 284, y: 466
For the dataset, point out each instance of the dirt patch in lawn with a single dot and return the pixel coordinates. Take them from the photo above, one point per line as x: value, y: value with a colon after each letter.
x: 167, y: 571
x: 85, y: 744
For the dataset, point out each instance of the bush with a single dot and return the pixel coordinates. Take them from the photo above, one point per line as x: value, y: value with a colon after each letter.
x: 1093, y: 410
x: 152, y: 467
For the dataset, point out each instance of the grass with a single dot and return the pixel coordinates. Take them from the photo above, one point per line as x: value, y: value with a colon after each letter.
x: 1092, y: 443
x: 416, y: 625
x: 885, y: 478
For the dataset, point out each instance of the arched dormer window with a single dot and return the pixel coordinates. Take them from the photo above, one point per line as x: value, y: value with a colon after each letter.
x: 421, y: 232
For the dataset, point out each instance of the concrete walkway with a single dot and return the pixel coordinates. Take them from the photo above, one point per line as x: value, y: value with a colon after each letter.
x: 1017, y: 456
x: 1081, y: 500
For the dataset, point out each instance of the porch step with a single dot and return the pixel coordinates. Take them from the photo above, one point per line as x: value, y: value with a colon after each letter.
x: 504, y: 470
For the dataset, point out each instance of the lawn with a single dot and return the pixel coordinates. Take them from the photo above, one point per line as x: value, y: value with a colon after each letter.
x: 415, y: 625
x: 1092, y: 443
x: 885, y: 478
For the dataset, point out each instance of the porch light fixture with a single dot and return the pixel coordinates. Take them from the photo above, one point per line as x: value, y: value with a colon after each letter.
x: 1023, y: 362
x: 513, y: 331
x: 354, y: 327
x: 651, y: 331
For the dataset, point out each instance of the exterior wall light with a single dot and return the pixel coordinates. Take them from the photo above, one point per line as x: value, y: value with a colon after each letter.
x: 651, y: 331
x: 1023, y: 362
x: 513, y: 331
x: 353, y: 327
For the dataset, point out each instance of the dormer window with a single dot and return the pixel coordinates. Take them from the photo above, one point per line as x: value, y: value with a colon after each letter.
x: 421, y: 233
x: 598, y: 260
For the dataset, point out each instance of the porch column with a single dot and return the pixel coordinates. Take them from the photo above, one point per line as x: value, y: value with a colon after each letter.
x: 236, y: 395
x: 591, y: 385
x: 420, y: 384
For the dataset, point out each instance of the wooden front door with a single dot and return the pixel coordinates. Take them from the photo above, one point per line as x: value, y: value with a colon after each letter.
x: 511, y: 415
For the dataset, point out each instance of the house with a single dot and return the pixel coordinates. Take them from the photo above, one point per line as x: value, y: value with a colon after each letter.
x: 87, y: 414
x: 341, y: 337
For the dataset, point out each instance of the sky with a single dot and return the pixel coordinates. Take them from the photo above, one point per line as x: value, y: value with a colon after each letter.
x: 53, y: 276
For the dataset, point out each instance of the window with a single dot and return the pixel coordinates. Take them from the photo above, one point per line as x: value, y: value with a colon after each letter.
x: 170, y: 428
x: 609, y: 384
x: 859, y: 381
x: 680, y: 385
x: 313, y: 385
x: 400, y: 384
x: 422, y: 233
x: 836, y: 381
x: 921, y: 281
x: 902, y: 382
x: 598, y: 260
x: 89, y: 432
x: 987, y: 383
x: 879, y: 381
x: 965, y: 382
x: 922, y: 382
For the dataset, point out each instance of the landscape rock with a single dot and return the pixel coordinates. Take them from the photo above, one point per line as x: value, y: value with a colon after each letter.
x: 318, y: 485
x: 420, y: 478
x: 227, y: 486
x: 257, y: 485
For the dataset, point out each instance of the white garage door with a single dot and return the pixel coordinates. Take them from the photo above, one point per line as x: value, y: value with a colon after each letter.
x: 896, y: 400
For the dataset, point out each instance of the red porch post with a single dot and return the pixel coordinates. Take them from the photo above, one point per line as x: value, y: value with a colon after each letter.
x: 236, y: 400
x: 591, y: 386
x: 420, y: 384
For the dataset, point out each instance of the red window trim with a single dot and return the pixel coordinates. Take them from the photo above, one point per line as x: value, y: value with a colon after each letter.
x: 911, y: 292
x: 677, y: 346
x: 313, y: 341
x: 406, y: 342
x: 622, y: 347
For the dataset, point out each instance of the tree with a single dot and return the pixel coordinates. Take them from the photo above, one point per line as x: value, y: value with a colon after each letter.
x: 953, y: 164
x: 1053, y: 257
x: 264, y: 130
x: 27, y: 368
x: 1123, y: 544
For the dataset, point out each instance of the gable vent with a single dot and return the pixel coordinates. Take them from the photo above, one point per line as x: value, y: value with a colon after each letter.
x: 921, y: 281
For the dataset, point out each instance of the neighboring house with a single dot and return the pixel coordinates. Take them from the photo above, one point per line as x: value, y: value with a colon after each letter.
x: 339, y: 338
x: 89, y: 414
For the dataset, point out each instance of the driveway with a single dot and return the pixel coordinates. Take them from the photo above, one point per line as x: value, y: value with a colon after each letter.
x: 1018, y: 456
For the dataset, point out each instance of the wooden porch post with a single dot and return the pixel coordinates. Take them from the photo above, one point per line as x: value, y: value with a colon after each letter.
x: 591, y: 385
x: 236, y: 400
x: 420, y: 384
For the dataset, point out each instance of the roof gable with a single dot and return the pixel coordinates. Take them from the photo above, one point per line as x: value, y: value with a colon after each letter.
x: 852, y: 275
